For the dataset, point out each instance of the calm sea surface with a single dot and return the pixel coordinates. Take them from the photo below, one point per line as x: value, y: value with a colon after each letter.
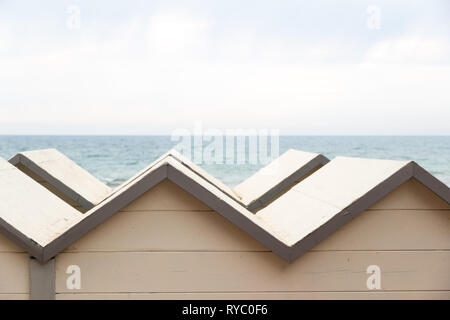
x: 114, y: 159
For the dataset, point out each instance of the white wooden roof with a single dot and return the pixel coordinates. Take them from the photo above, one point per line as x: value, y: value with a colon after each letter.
x: 65, y: 175
x: 317, y: 199
x: 28, y: 208
x: 44, y: 225
x: 79, y: 185
x: 268, y: 182
x: 276, y: 177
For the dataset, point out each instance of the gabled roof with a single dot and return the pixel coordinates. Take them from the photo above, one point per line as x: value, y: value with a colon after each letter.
x: 289, y: 226
x: 337, y: 193
x: 29, y: 213
x: 267, y: 183
x: 54, y: 168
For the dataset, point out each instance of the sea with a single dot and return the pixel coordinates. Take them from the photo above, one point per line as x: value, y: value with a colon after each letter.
x: 114, y: 159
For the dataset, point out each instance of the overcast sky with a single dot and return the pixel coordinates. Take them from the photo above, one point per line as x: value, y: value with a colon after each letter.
x: 303, y: 67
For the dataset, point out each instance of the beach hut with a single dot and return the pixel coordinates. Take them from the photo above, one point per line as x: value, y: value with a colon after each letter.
x: 355, y: 228
x: 63, y: 177
x: 83, y: 191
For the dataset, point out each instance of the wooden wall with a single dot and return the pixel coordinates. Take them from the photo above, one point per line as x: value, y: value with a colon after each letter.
x: 168, y: 245
x: 14, y: 267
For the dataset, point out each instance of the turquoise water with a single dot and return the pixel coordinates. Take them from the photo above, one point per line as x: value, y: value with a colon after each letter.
x: 114, y: 159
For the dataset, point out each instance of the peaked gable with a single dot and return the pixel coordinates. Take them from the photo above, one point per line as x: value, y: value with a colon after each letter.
x: 279, y: 227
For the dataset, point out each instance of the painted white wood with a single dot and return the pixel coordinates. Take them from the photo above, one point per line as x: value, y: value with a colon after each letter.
x: 166, y: 231
x: 392, y: 230
x: 14, y: 273
x: 344, y: 180
x: 166, y: 196
x: 411, y: 195
x: 317, y: 199
x: 109, y: 272
x: 208, y: 231
x: 273, y: 174
x: 68, y: 173
x: 43, y: 217
x: 230, y: 202
x: 189, y: 229
x: 204, y: 174
x: 32, y: 209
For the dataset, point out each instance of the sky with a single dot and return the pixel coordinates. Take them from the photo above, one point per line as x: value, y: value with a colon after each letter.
x: 153, y: 67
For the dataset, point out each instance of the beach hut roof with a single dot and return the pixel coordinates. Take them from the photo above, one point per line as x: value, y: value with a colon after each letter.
x: 29, y: 213
x: 267, y: 183
x: 289, y: 226
x: 275, y: 178
x: 335, y: 194
x: 64, y: 175
x: 54, y: 168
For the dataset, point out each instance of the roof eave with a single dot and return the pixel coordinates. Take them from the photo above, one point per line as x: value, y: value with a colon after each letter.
x: 430, y: 181
x: 33, y: 248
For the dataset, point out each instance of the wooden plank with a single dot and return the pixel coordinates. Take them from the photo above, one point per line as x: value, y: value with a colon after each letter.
x: 392, y: 230
x: 208, y: 231
x: 14, y: 276
x: 7, y: 245
x: 411, y: 195
x: 373, y: 295
x: 253, y: 271
x: 166, y: 196
x: 14, y: 296
x: 167, y: 231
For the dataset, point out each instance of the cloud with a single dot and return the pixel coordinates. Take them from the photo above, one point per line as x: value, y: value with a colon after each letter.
x: 148, y: 75
x: 410, y: 50
x: 176, y: 34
